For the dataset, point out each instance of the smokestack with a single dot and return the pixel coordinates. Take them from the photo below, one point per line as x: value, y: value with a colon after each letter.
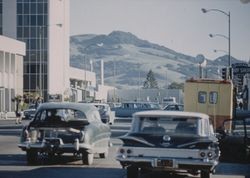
x: 91, y: 65
x: 102, y: 73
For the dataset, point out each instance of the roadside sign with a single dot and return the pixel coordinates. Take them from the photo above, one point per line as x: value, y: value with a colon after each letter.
x: 241, y: 70
x: 55, y: 98
x: 236, y: 65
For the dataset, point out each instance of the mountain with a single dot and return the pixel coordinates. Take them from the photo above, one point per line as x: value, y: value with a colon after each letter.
x: 128, y: 59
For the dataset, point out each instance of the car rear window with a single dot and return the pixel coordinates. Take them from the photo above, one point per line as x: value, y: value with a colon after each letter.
x: 166, y: 125
x: 60, y: 115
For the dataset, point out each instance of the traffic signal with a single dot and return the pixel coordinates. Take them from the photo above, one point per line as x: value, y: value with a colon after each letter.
x: 230, y: 73
x: 224, y: 73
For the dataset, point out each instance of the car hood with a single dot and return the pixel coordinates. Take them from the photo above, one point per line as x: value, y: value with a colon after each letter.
x: 29, y: 110
x: 167, y: 141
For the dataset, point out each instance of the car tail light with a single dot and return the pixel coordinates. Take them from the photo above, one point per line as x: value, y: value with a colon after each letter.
x: 202, y: 154
x: 129, y: 151
x: 82, y: 136
x: 122, y: 151
x: 26, y: 135
x: 209, y: 154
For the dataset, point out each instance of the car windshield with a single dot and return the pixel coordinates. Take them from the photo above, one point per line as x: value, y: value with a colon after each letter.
x: 32, y: 106
x: 154, y: 106
x: 166, y: 125
x: 59, y: 115
x: 100, y: 107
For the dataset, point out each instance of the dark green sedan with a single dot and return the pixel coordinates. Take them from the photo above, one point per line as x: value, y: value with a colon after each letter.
x: 59, y: 128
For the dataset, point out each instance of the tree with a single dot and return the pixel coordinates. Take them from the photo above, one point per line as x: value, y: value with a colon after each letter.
x: 176, y: 85
x: 150, y: 81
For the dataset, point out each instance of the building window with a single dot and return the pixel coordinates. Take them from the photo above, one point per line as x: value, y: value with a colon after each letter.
x: 33, y: 32
x: 19, y: 8
x: 202, y: 97
x: 33, y: 44
x: 39, y: 20
x: 26, y: 32
x: 33, y: 9
x: 40, y: 8
x: 26, y: 9
x: 26, y: 20
x: 19, y: 32
x: 213, y: 97
x: 19, y: 20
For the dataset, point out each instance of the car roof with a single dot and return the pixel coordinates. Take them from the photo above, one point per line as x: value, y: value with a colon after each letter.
x: 170, y: 113
x: 99, y: 104
x: 67, y: 105
x: 173, y: 104
x: 140, y: 102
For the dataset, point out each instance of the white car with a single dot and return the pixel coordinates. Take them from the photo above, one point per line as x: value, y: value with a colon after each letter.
x: 107, y: 116
x: 169, y: 141
x: 29, y: 113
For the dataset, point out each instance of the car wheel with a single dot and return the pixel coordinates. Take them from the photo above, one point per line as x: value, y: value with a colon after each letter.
x: 51, y: 155
x: 104, y: 155
x: 132, y: 172
x: 205, y: 174
x: 144, y: 171
x: 87, y: 158
x: 32, y: 156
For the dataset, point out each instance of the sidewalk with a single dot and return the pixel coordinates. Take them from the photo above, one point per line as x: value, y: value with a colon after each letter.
x: 7, y: 116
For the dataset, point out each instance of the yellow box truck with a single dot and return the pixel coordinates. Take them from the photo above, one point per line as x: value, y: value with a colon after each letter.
x: 212, y: 97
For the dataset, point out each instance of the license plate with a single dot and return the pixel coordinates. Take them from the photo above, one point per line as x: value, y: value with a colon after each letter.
x: 165, y: 163
x: 53, y: 141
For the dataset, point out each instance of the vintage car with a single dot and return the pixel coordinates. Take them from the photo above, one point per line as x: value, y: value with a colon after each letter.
x: 127, y: 109
x: 59, y: 128
x: 107, y: 116
x: 174, y: 107
x: 30, y: 112
x: 235, y: 141
x: 171, y: 142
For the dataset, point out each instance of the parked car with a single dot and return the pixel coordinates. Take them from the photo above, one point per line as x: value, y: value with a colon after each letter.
x: 168, y: 100
x: 114, y: 104
x: 59, y: 128
x: 235, y: 141
x: 171, y: 142
x: 30, y: 112
x: 127, y: 109
x: 107, y: 116
x: 174, y: 107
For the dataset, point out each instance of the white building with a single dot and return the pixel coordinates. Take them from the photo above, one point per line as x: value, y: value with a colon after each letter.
x: 44, y: 26
x: 11, y: 71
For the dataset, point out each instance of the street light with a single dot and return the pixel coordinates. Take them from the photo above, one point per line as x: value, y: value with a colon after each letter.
x: 220, y: 50
x: 85, y: 79
x: 2, y: 99
x: 220, y: 35
x: 227, y: 37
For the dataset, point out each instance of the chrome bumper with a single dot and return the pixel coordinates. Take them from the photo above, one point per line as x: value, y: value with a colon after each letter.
x: 59, y: 145
x: 168, y: 163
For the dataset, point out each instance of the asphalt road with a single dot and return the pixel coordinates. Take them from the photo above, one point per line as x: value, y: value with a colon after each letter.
x: 13, y: 160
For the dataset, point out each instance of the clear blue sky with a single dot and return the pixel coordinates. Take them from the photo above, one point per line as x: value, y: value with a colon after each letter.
x: 177, y: 24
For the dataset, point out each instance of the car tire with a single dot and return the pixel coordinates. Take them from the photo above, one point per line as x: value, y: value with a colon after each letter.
x: 87, y: 158
x: 132, y: 172
x: 144, y: 171
x: 32, y: 156
x: 104, y: 155
x: 205, y: 174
